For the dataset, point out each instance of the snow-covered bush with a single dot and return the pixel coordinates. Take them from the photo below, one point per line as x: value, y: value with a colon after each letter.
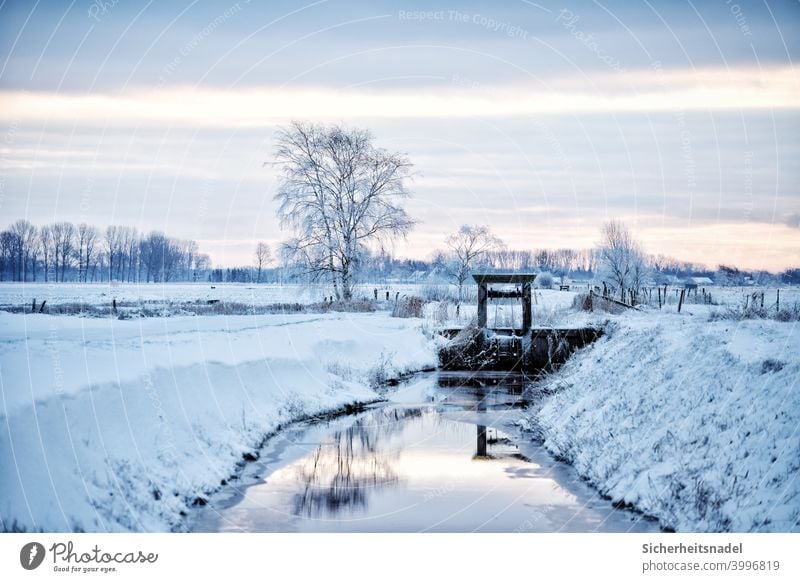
x: 583, y: 302
x: 412, y: 306
x: 382, y: 372
x: 755, y: 311
x: 544, y: 280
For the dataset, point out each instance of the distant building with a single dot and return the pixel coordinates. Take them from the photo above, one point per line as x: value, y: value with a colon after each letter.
x: 695, y: 282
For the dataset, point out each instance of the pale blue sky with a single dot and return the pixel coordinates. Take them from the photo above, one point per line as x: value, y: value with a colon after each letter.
x: 540, y: 119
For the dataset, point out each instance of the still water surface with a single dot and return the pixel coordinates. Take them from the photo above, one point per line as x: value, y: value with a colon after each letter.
x: 443, y: 455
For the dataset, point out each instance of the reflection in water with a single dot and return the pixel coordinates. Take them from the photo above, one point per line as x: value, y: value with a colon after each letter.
x: 440, y: 464
x: 354, y: 464
x: 481, y: 452
x: 340, y: 474
x: 508, y: 382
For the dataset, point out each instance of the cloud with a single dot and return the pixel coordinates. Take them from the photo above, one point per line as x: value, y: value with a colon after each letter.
x: 642, y: 91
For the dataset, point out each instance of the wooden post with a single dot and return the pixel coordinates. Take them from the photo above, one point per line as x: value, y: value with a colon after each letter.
x: 527, y: 317
x: 680, y: 301
x: 659, y: 297
x: 778, y: 302
x: 114, y: 305
x: 762, y: 300
x: 482, y: 296
x: 33, y: 306
x: 41, y: 307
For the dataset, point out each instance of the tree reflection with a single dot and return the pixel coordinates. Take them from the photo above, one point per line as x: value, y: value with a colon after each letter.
x: 342, y: 472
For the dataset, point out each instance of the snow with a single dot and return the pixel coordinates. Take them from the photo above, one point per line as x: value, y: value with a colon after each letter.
x: 695, y: 422
x: 119, y: 425
x: 22, y: 294
x: 110, y: 425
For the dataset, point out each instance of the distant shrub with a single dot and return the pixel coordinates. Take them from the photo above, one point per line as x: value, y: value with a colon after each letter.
x: 352, y: 306
x: 737, y: 313
x: 443, y: 312
x: 544, y: 280
x: 146, y: 309
x: 770, y: 365
x: 789, y: 313
x: 583, y: 302
x: 595, y: 302
x: 409, y: 306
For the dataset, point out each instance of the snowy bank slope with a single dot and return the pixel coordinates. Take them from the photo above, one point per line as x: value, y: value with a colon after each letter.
x: 111, y: 425
x: 696, y: 423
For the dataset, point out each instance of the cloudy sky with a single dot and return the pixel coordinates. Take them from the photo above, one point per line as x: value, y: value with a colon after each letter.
x: 540, y: 119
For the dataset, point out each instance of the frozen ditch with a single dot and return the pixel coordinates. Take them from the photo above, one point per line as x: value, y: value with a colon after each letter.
x: 442, y: 455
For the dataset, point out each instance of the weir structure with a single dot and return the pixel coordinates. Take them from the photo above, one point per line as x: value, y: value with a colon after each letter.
x: 525, y: 348
x: 523, y: 281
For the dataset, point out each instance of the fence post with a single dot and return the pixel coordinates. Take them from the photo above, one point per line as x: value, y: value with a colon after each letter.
x: 778, y: 302
x: 680, y: 301
x: 33, y: 306
x: 659, y: 297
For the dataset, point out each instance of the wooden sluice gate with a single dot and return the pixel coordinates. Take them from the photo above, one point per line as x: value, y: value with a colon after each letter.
x: 526, y: 348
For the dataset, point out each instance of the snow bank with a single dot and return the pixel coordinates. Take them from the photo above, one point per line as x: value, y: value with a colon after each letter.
x: 694, y: 422
x: 111, y: 425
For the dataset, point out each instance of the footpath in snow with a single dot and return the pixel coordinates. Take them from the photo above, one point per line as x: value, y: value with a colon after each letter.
x: 110, y: 425
x: 694, y: 422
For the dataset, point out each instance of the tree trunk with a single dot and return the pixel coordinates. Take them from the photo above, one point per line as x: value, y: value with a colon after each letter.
x: 347, y: 290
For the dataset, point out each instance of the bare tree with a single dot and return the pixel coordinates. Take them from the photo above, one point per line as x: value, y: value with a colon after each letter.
x: 64, y: 244
x: 468, y: 246
x: 26, y: 235
x: 622, y: 260
x: 8, y: 254
x: 263, y: 257
x: 87, y: 235
x: 113, y: 248
x: 128, y: 242
x: 339, y: 193
x: 46, y: 239
x: 161, y: 256
x: 32, y: 252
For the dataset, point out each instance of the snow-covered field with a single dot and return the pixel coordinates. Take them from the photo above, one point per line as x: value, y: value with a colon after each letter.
x: 549, y: 306
x: 694, y: 422
x: 110, y: 424
x: 114, y: 425
x: 22, y: 294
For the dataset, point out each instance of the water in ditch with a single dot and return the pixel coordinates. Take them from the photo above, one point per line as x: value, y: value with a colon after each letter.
x: 442, y: 455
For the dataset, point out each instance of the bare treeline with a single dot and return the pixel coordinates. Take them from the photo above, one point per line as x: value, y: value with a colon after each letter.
x: 63, y: 251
